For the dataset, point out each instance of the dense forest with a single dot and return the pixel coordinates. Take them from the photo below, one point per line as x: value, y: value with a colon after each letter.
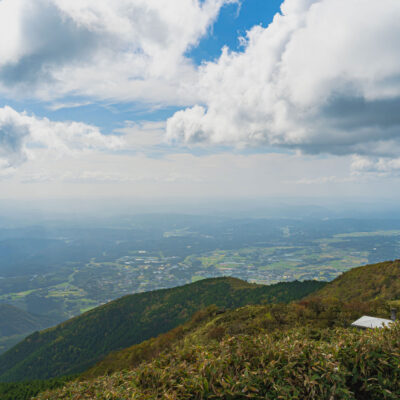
x: 79, y: 343
x: 26, y: 390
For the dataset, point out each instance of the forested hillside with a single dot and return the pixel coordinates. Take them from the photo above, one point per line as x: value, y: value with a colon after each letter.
x: 375, y: 281
x: 77, y: 344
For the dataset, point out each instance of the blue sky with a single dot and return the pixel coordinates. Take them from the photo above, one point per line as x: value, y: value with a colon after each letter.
x: 233, y: 22
x: 188, y: 98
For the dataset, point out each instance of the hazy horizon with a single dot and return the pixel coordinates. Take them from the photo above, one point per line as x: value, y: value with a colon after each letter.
x: 87, y: 211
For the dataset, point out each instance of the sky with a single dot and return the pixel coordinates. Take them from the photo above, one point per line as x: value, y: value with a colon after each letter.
x: 199, y: 99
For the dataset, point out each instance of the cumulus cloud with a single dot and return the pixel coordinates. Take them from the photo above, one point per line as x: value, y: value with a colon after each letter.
x: 379, y: 166
x: 122, y: 49
x: 323, y: 77
x: 21, y: 134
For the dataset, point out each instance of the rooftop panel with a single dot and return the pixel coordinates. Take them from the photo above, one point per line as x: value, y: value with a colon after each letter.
x: 371, y: 322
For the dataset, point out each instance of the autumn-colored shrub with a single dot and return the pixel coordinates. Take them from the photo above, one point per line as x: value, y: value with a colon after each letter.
x: 303, y: 363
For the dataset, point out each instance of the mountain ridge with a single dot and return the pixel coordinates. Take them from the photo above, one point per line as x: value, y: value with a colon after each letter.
x: 368, y: 282
x: 77, y: 344
x: 304, y: 350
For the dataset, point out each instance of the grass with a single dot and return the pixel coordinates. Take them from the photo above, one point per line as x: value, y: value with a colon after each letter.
x: 299, y: 363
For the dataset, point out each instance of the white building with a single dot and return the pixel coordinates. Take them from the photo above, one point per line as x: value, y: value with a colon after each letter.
x: 366, y: 322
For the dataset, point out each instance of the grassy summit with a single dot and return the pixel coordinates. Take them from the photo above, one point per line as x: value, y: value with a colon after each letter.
x: 376, y: 281
x: 210, y: 323
x: 296, y: 351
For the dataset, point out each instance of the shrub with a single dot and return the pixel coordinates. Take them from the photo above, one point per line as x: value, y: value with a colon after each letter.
x: 303, y: 363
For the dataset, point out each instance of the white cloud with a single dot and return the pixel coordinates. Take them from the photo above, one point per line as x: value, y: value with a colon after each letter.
x: 21, y: 135
x: 119, y: 49
x: 59, y: 105
x: 323, y: 77
x: 379, y: 166
x: 143, y: 134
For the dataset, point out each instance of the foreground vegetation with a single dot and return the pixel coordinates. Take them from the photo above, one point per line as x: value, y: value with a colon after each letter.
x: 77, y: 344
x: 250, y: 320
x: 254, y: 353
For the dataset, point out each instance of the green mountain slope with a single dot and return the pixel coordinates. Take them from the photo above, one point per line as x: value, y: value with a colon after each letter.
x: 79, y: 343
x: 211, y: 323
x: 302, y: 350
x: 15, y: 324
x: 376, y: 281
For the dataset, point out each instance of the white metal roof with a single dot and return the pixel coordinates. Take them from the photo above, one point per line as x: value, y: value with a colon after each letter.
x: 371, y: 322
